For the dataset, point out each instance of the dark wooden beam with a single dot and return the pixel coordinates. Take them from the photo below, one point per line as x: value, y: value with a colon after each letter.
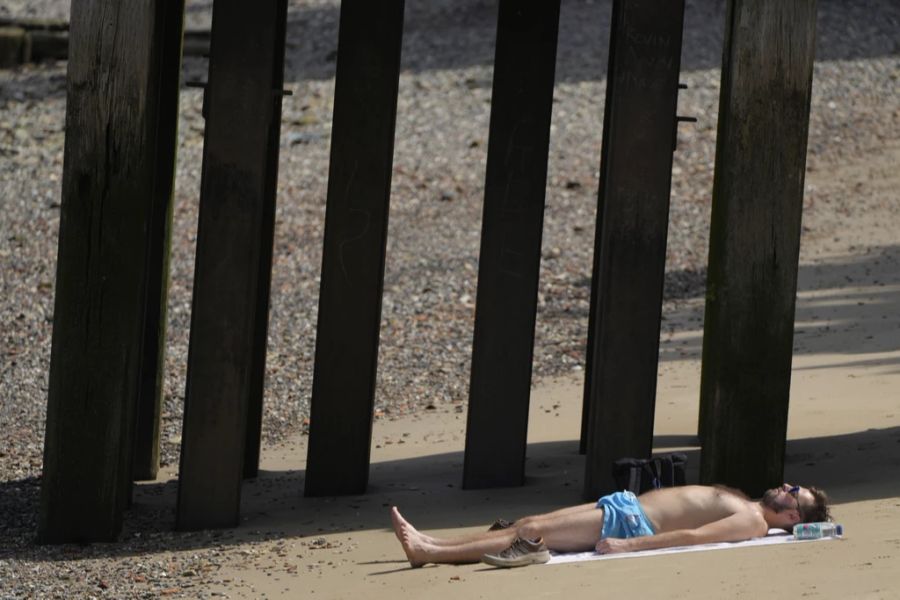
x: 266, y: 240
x: 509, y: 262
x: 755, y: 241
x: 149, y: 406
x: 630, y: 241
x: 356, y: 218
x: 233, y: 245
x: 111, y: 194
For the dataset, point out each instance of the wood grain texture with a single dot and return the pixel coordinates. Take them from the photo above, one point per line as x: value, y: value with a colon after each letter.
x: 512, y: 226
x: 242, y: 130
x: 755, y: 241
x: 356, y: 219
x: 169, y: 33
x: 109, y: 195
x: 266, y: 241
x: 630, y: 240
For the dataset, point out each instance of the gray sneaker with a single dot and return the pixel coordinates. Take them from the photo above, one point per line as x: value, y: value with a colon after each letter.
x: 501, y: 524
x: 520, y: 553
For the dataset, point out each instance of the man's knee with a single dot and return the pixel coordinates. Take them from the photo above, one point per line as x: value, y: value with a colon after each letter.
x: 526, y: 521
x: 528, y: 528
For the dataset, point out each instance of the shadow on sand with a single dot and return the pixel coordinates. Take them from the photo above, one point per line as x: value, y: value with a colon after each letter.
x: 852, y: 467
x: 459, y: 34
x: 862, y: 465
x: 843, y: 307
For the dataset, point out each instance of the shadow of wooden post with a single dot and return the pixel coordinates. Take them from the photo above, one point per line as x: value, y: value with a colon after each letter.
x: 356, y: 219
x: 117, y: 178
x: 228, y: 318
x: 630, y: 241
x: 509, y: 261
x: 755, y: 241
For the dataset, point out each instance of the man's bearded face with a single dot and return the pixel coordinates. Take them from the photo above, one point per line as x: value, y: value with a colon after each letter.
x: 778, y: 500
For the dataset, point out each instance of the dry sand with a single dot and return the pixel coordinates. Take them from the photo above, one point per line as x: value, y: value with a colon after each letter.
x: 844, y: 435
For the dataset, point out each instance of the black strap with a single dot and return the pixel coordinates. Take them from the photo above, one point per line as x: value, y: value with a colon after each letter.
x: 634, y: 480
x: 652, y: 470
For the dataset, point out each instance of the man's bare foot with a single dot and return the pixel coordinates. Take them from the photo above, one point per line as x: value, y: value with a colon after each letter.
x: 414, y: 543
x: 423, y: 537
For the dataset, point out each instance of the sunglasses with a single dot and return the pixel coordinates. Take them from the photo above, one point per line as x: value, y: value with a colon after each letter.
x: 795, y: 492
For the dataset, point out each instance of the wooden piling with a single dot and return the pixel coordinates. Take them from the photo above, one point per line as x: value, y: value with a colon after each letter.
x: 755, y: 241
x: 509, y: 261
x: 356, y: 218
x: 114, y: 150
x: 630, y: 240
x: 265, y: 245
x: 233, y: 254
x: 149, y: 406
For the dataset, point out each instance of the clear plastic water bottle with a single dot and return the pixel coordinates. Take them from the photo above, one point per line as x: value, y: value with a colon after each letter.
x: 814, y: 531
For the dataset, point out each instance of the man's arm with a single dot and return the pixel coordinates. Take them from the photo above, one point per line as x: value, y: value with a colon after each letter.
x: 738, y: 527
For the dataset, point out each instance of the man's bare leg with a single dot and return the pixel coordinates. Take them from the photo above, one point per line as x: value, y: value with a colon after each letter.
x: 571, y: 531
x: 562, y: 512
x: 421, y: 549
x: 565, y: 531
x: 482, y: 535
x: 399, y: 521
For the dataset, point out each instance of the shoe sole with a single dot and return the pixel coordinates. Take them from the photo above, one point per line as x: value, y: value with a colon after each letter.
x: 532, y: 558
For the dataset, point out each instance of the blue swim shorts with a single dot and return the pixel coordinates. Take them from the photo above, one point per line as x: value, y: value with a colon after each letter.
x: 623, y: 516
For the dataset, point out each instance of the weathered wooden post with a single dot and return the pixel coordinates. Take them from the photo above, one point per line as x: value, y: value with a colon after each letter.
x: 265, y: 243
x: 117, y: 180
x: 359, y: 183
x: 233, y: 249
x: 149, y: 405
x: 630, y: 243
x: 755, y: 241
x: 509, y: 262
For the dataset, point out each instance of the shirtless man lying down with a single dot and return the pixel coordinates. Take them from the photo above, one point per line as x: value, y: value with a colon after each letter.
x: 623, y: 522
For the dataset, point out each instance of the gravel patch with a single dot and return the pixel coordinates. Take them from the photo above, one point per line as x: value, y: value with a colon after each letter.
x: 435, y: 227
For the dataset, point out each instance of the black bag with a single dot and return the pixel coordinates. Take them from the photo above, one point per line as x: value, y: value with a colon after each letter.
x: 639, y: 475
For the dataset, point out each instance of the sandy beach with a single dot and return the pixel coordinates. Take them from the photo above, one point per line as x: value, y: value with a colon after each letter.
x: 844, y: 422
x: 844, y: 435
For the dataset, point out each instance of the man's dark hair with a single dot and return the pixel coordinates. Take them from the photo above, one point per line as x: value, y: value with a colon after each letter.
x: 819, y: 511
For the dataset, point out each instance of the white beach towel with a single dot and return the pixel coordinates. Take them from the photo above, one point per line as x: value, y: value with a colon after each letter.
x: 775, y: 536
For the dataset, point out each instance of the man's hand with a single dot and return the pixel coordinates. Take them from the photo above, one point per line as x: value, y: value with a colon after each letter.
x: 611, y: 546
